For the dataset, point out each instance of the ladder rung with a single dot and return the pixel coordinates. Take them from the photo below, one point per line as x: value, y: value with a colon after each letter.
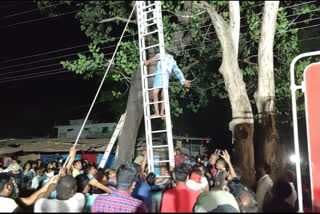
x: 163, y: 176
x: 155, y: 117
x: 162, y: 146
x: 148, y: 20
x: 155, y: 31
x: 159, y: 131
x: 163, y: 161
x: 162, y: 101
x: 153, y: 23
x: 150, y: 75
x: 150, y: 89
x: 152, y: 46
x: 151, y: 5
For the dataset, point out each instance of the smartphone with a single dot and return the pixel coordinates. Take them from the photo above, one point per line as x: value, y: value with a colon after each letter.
x: 218, y: 152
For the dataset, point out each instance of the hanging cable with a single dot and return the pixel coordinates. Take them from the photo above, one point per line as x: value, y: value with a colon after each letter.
x: 104, y: 77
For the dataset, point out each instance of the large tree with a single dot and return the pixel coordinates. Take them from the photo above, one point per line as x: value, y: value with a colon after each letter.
x: 188, y: 31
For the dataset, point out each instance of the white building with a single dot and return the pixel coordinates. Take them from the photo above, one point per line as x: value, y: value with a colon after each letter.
x: 91, y: 130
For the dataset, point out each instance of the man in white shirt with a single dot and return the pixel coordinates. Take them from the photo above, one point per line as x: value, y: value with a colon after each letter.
x: 264, y: 184
x: 289, y: 176
x: 67, y: 198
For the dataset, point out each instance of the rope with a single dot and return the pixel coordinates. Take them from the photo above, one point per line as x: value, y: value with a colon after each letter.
x: 104, y: 77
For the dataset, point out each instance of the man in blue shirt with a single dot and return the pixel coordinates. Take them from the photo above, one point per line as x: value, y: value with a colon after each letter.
x: 171, y: 65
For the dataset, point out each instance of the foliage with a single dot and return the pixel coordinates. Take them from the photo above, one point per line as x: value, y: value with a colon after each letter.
x: 204, y: 46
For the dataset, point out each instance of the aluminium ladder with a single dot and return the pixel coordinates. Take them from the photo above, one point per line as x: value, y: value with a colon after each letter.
x: 150, y: 23
x: 114, y: 137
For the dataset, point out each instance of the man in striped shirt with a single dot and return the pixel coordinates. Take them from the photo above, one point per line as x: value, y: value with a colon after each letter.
x: 121, y: 200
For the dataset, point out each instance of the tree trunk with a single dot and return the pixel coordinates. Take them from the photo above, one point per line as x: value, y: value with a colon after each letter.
x: 242, y: 120
x: 269, y: 149
x: 128, y: 137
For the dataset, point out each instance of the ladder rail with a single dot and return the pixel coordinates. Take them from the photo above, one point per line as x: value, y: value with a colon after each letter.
x: 143, y: 32
x: 114, y: 137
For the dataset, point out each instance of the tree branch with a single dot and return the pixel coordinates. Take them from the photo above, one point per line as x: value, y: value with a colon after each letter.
x: 234, y: 23
x: 187, y: 68
x: 178, y: 15
x: 118, y: 18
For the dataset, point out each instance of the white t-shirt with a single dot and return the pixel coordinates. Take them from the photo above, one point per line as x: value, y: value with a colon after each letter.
x: 7, y: 205
x: 74, y: 204
x: 200, y: 187
x: 293, y: 197
x: 264, y: 185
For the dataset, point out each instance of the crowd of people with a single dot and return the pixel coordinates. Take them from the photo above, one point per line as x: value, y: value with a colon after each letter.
x: 195, y: 184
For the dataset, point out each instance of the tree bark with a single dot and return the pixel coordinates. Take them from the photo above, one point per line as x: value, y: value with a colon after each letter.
x: 242, y: 119
x: 128, y: 136
x: 269, y: 149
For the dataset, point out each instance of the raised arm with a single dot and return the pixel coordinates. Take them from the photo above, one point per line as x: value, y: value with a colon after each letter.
x: 180, y: 76
x: 226, y: 157
x: 72, y: 154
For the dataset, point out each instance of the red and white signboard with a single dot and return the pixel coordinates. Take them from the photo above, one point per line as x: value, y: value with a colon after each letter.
x: 312, y: 100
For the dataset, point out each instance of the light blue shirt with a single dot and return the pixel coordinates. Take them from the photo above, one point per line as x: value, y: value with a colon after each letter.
x: 171, y: 65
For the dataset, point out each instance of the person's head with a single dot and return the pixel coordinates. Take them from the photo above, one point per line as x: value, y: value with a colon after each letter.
x: 101, y: 177
x: 164, y: 171
x: 54, y: 164
x: 281, y: 190
x: 112, y: 174
x: 126, y: 177
x: 66, y: 187
x: 13, y: 169
x: 83, y: 185
x: 34, y: 165
x: 263, y: 169
x: 6, y: 185
x: 181, y: 173
x: 27, y: 166
x: 90, y: 170
x: 77, y: 165
x: 151, y: 178
x: 220, y: 164
x: 196, y: 175
x: 178, y: 151
x: 287, y: 176
x: 247, y: 202
x: 186, y: 157
x: 213, y: 158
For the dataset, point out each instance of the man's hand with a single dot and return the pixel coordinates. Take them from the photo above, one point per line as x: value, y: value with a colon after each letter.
x: 73, y: 151
x: 187, y: 83
x: 226, y: 156
x: 54, y: 179
x: 144, y: 153
x: 62, y: 171
x: 146, y: 62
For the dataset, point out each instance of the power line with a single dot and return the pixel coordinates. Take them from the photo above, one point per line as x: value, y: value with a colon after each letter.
x: 35, y: 75
x: 62, y: 14
x: 101, y: 49
x: 136, y: 34
x: 26, y: 75
x: 28, y: 11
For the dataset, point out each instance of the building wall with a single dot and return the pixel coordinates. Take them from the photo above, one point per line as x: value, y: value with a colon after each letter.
x: 89, y: 131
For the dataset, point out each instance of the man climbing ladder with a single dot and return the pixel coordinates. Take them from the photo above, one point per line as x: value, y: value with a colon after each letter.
x: 157, y: 82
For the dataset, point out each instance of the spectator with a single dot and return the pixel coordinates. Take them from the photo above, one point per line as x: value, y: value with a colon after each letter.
x: 216, y: 201
x: 264, y: 184
x: 212, y: 162
x: 221, y: 175
x: 33, y: 168
x: 179, y: 157
x: 180, y: 198
x: 77, y: 166
x: 194, y: 182
x: 40, y: 176
x: 280, y: 192
x: 244, y: 197
x: 90, y: 171
x: 14, y: 171
x: 38, y: 161
x: 68, y: 200
x: 112, y: 181
x: 8, y: 204
x: 289, y: 176
x: 204, y: 179
x: 84, y: 187
x: 121, y: 200
x: 27, y: 176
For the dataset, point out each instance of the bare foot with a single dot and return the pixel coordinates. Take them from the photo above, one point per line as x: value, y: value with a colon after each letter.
x: 155, y: 115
